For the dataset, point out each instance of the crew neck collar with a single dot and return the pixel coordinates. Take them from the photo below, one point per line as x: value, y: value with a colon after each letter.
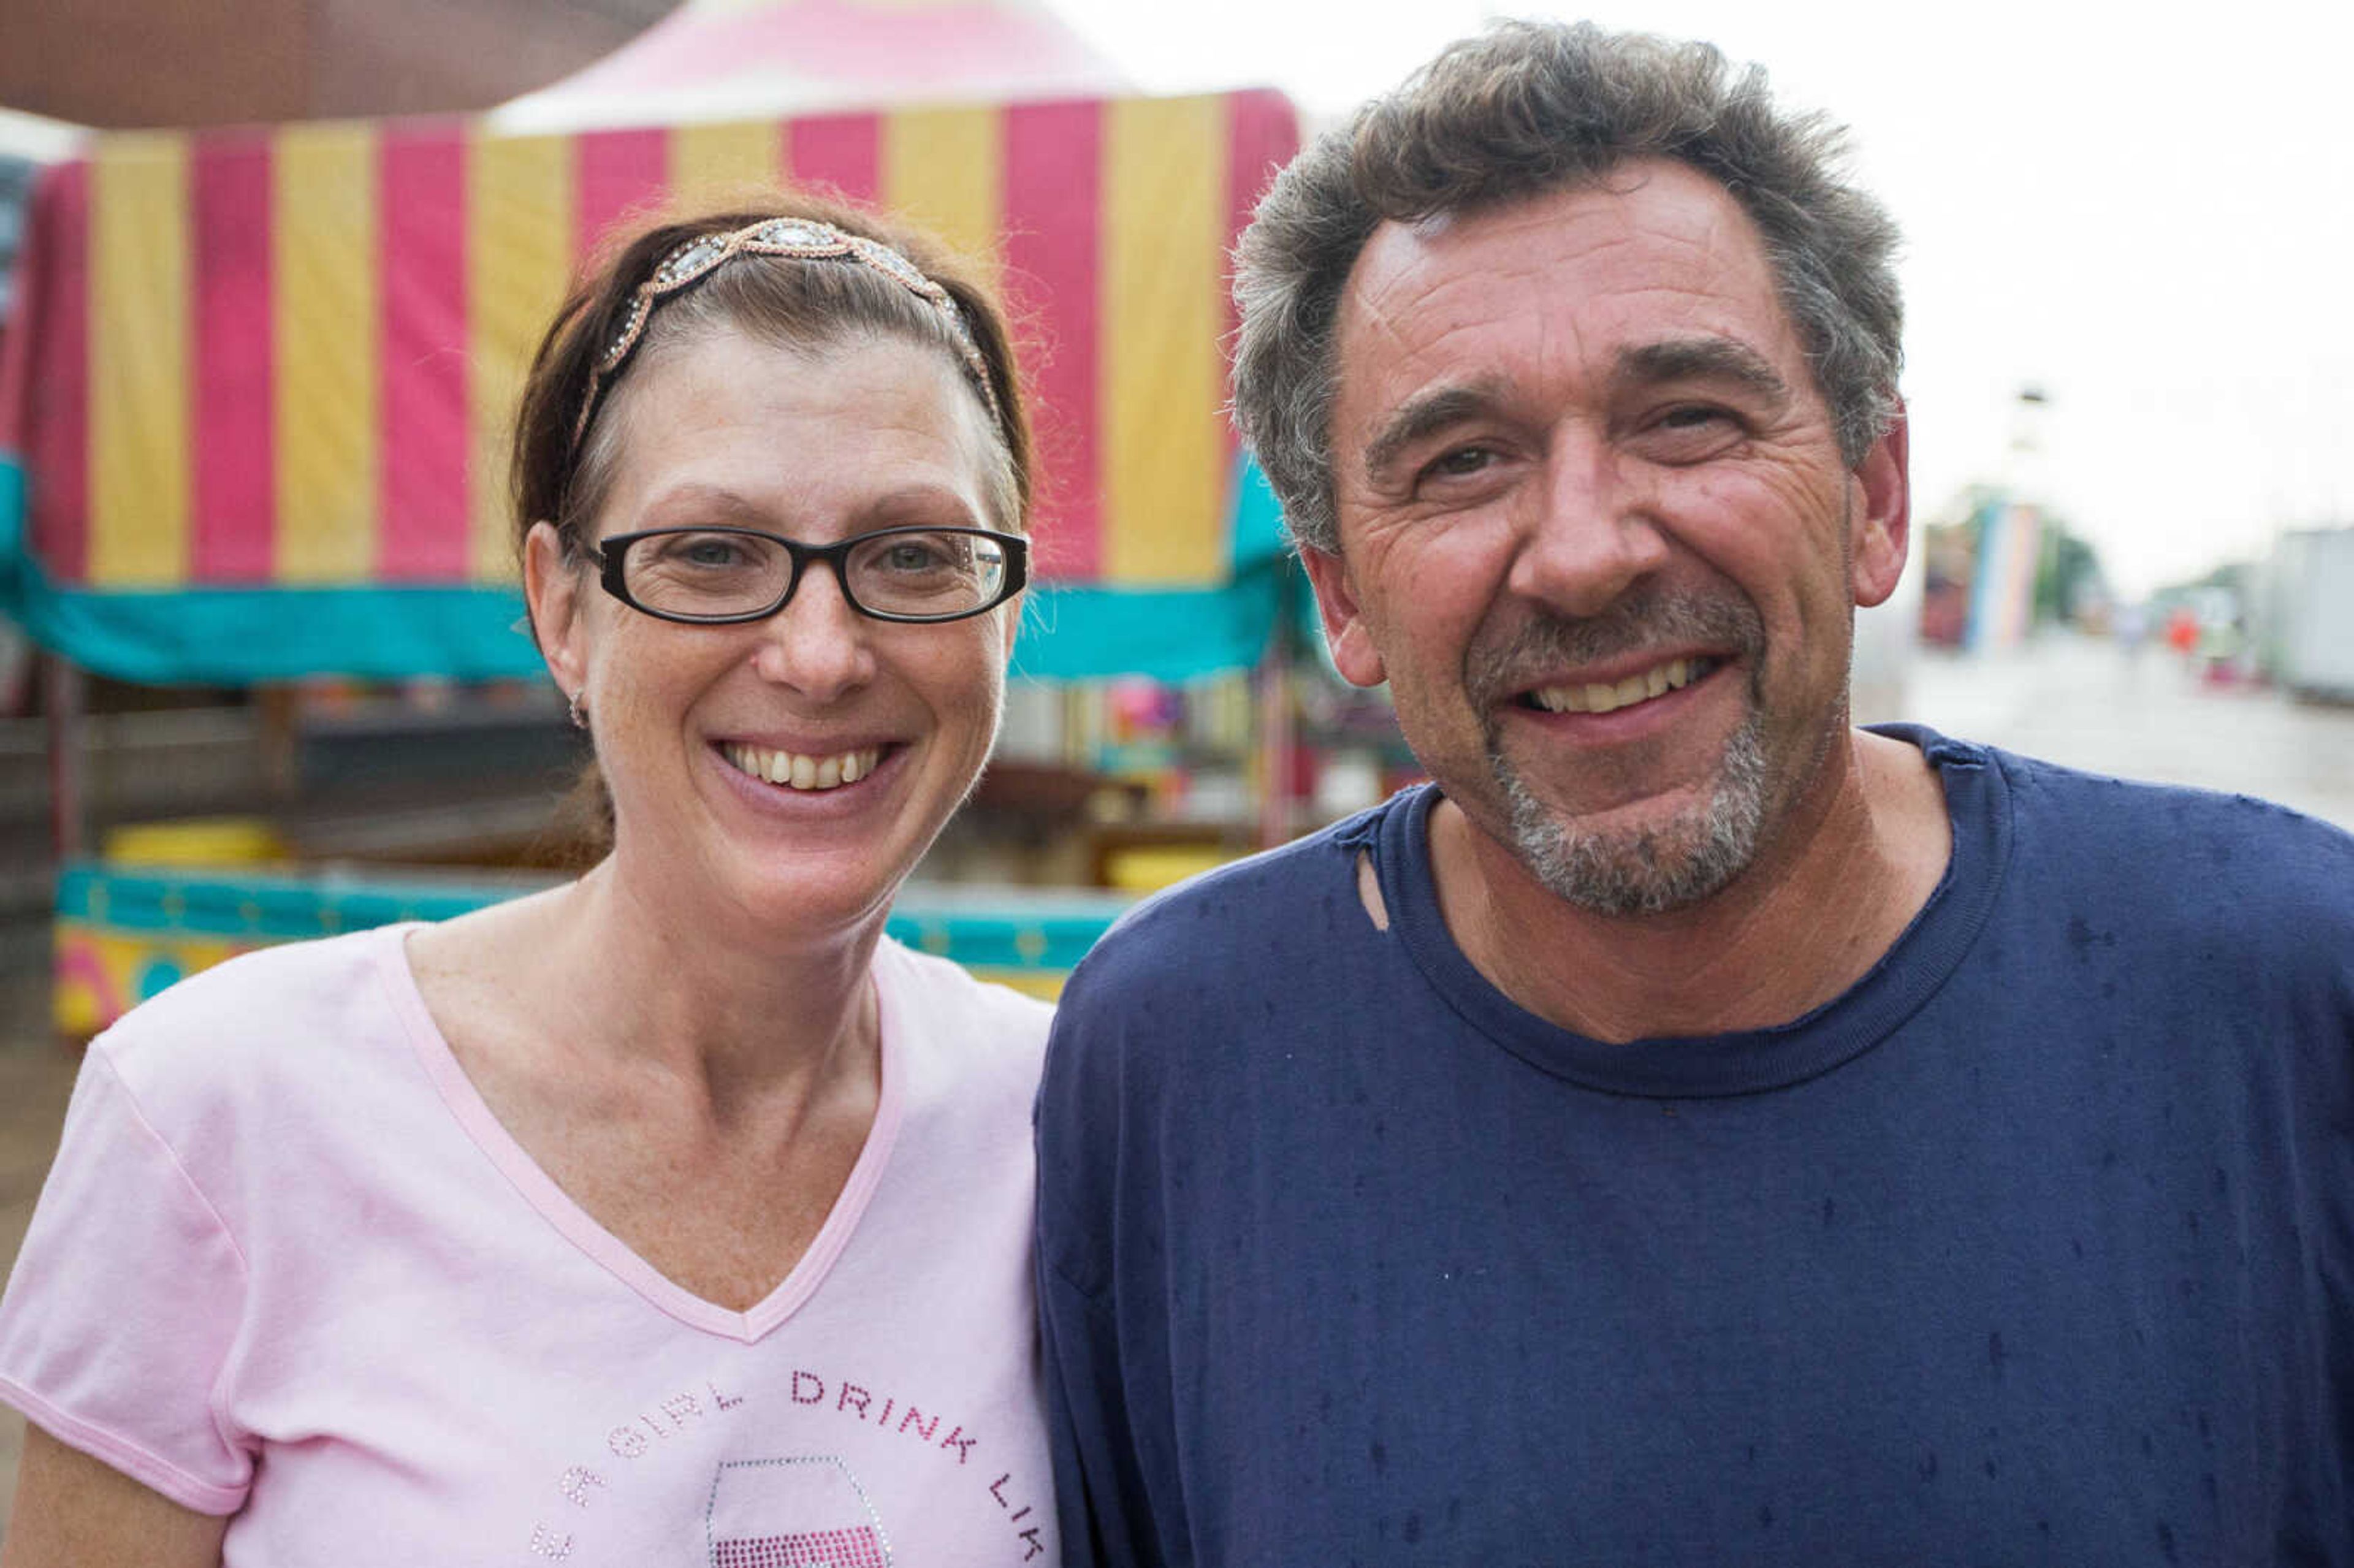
x: 1746, y: 1062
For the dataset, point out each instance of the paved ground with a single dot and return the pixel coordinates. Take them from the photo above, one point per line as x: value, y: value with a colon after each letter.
x: 2089, y: 704
x: 2085, y: 704
x: 34, y: 1078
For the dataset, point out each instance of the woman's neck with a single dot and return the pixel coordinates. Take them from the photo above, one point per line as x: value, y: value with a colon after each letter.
x: 630, y: 982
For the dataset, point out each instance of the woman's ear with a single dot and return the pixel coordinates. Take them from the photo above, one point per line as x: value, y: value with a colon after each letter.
x: 551, y: 595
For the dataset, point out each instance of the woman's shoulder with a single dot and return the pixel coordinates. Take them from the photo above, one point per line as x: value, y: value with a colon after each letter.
x: 927, y: 980
x: 259, y: 1020
x: 981, y: 1021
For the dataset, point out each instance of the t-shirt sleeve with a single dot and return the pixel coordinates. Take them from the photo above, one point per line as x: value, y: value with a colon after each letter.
x: 123, y: 1306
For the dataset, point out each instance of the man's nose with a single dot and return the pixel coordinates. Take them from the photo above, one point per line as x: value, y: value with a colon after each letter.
x: 818, y: 644
x: 1588, y: 533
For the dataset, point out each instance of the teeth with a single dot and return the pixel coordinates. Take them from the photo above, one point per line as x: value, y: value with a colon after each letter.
x: 1594, y: 697
x: 797, y: 771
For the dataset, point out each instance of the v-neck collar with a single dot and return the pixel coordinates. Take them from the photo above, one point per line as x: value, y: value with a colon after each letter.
x: 577, y: 1225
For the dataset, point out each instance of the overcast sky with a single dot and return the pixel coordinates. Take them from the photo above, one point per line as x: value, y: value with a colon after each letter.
x: 2153, y: 221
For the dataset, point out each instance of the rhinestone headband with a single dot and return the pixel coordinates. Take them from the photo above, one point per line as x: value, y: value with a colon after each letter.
x: 801, y: 239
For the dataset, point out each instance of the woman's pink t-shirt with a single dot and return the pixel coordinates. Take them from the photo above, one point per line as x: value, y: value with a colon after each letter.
x: 288, y: 1266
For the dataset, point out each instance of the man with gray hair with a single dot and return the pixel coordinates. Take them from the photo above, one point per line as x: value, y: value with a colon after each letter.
x: 1692, y: 1129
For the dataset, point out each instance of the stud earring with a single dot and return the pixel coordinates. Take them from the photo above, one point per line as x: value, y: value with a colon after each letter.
x: 579, y: 716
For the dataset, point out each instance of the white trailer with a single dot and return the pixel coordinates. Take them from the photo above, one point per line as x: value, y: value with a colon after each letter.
x: 2313, y: 608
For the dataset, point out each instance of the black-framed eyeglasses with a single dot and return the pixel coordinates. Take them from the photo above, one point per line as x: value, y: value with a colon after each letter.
x: 719, y: 576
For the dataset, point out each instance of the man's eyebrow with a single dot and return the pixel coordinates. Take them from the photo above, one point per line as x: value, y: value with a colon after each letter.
x: 1419, y: 416
x: 1703, y: 358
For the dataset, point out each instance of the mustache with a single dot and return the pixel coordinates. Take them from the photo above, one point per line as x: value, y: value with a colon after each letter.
x: 1652, y: 617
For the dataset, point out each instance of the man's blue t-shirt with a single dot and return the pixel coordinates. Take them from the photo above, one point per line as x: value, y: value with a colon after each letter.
x: 2035, y: 1246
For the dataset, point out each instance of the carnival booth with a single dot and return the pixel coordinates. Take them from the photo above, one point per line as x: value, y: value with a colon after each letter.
x: 257, y: 385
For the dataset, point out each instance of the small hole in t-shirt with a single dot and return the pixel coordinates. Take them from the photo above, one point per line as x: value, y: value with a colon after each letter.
x: 1368, y: 889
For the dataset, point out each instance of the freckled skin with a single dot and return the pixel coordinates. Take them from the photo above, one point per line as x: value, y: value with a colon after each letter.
x: 816, y: 448
x: 1637, y: 418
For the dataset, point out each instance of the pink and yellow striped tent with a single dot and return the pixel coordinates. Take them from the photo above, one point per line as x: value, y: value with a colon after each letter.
x: 257, y: 385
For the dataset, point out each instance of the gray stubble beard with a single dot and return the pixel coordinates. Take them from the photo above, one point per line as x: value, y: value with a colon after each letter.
x: 1669, y: 866
x: 1646, y: 870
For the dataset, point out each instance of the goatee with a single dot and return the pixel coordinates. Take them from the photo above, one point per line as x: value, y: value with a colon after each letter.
x: 1665, y: 866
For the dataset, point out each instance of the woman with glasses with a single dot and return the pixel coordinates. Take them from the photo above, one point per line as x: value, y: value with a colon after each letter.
x: 675, y: 1214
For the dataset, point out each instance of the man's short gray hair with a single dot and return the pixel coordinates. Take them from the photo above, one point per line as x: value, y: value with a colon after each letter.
x: 1529, y: 107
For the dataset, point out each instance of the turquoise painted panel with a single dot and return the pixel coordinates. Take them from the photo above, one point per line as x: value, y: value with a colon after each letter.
x: 984, y: 929
x: 226, y: 636
x: 12, y: 511
x: 240, y: 637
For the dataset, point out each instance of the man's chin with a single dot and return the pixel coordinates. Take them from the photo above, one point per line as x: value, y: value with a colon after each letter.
x: 1632, y: 873
x: 1649, y: 856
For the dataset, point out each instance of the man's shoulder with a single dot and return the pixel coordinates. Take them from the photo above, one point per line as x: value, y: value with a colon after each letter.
x: 2140, y: 811
x: 2193, y: 852
x: 1228, y: 917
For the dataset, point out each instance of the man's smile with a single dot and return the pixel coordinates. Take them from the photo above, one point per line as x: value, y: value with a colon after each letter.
x: 1602, y: 697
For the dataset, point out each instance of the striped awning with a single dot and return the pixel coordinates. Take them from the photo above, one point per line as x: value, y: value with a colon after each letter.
x: 259, y: 384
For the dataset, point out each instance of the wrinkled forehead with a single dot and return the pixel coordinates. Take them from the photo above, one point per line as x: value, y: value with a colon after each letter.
x: 704, y: 370
x: 1653, y: 250
x: 794, y: 424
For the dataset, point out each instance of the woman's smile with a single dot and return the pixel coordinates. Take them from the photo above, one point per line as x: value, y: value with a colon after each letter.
x: 716, y: 738
x: 801, y: 770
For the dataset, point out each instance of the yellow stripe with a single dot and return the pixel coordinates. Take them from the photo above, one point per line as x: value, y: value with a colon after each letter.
x: 708, y: 163
x: 325, y: 312
x: 944, y: 170
x: 518, y: 260
x: 1162, y: 433
x: 138, y: 354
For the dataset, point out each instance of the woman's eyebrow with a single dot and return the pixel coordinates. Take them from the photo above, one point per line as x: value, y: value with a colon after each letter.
x: 705, y: 500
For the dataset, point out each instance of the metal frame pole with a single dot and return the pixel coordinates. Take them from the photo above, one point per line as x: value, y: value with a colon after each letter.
x: 66, y: 709
x: 1278, y: 739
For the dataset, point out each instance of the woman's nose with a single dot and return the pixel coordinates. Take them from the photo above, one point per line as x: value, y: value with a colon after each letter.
x: 818, y: 644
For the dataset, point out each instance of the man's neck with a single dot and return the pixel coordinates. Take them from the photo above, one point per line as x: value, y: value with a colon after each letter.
x: 1805, y: 922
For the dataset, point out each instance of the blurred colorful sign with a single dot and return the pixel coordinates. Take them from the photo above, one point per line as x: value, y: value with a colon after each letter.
x: 2002, y: 591
x: 125, y: 932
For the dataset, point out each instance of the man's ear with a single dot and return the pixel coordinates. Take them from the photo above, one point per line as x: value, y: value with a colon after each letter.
x: 1881, y: 528
x: 551, y: 594
x: 1345, y: 632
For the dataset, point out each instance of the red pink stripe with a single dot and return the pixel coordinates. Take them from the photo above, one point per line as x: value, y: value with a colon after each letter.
x: 421, y: 224
x: 1262, y: 136
x: 1054, y: 160
x: 235, y: 488
x: 843, y: 152
x: 55, y: 273
x: 617, y: 174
